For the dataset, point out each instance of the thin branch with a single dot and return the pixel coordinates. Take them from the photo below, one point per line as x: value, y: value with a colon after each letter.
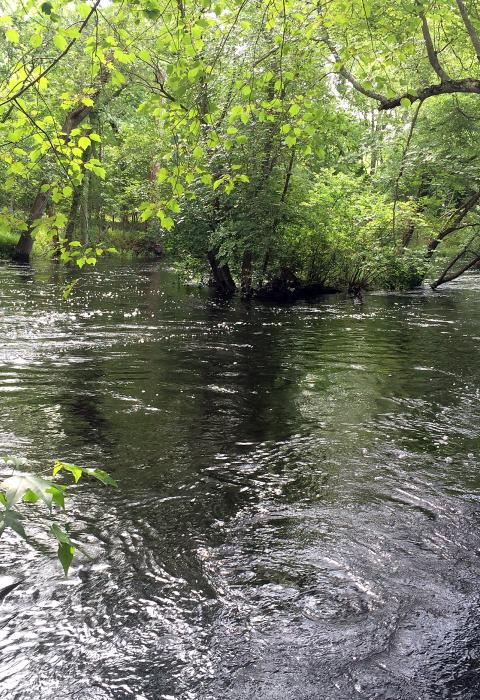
x: 469, y: 27
x: 402, y: 167
x: 351, y: 79
x: 431, y: 52
x: 27, y: 86
x: 455, y: 222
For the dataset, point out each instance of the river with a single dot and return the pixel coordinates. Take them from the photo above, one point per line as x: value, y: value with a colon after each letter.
x: 298, y: 502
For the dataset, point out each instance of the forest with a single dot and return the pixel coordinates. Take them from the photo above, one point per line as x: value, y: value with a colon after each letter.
x: 272, y: 148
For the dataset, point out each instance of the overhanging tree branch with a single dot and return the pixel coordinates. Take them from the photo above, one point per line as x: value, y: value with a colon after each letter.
x: 455, y: 222
x: 469, y: 27
x: 431, y: 52
x: 27, y: 86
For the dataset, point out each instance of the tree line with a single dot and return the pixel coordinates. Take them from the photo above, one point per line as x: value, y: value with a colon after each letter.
x: 274, y: 146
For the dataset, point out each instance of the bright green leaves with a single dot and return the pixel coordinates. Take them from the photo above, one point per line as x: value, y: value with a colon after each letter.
x: 12, y: 36
x: 26, y: 488
x: 36, y: 40
x: 77, y: 473
x: 83, y: 9
x: 123, y: 57
x: 13, y: 520
x: 84, y: 142
x: 60, y: 42
x: 66, y: 548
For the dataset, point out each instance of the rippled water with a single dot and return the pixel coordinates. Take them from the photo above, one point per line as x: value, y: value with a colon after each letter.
x: 299, y: 492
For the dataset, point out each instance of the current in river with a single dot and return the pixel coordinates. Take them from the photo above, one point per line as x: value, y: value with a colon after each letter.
x: 298, y: 502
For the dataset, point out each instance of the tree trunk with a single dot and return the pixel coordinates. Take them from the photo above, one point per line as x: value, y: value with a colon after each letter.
x: 23, y: 249
x: 72, y: 216
x: 24, y: 246
x: 221, y: 275
x: 246, y: 277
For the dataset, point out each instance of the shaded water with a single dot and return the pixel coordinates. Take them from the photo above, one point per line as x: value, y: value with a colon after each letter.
x: 298, y: 509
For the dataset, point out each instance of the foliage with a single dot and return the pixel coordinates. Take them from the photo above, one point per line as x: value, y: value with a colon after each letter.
x: 332, y: 139
x: 26, y: 488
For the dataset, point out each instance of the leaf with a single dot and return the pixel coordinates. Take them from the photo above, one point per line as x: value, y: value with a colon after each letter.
x: 87, y: 101
x: 12, y: 519
x: 60, y: 42
x: 68, y: 289
x: 102, y: 476
x: 36, y: 40
x: 173, y: 205
x: 99, y: 171
x: 162, y: 175
x: 83, y: 9
x: 122, y: 57
x: 12, y: 36
x: 66, y: 548
x: 19, y: 484
x: 405, y: 102
x: 30, y: 497
x: 84, y: 142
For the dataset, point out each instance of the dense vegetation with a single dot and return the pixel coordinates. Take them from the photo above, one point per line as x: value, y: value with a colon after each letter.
x: 266, y: 145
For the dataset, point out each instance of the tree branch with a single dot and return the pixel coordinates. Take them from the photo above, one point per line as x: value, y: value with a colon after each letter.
x: 27, y: 86
x: 351, y: 79
x: 432, y: 54
x: 469, y: 27
x: 455, y: 220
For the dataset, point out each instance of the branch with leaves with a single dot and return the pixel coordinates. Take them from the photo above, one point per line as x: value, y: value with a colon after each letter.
x: 21, y: 488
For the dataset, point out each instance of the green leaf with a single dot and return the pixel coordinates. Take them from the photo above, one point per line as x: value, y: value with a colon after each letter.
x: 102, y: 476
x: 405, y: 102
x: 12, y: 519
x: 19, y: 484
x: 84, y: 142
x: 60, y: 42
x: 173, y: 205
x: 36, y: 40
x: 66, y: 548
x: 72, y: 468
x: 12, y: 36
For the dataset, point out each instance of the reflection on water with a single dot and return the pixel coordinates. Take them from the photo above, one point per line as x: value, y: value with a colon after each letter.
x: 298, y: 508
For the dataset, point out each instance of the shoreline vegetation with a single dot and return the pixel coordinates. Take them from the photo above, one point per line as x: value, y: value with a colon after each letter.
x: 252, y: 145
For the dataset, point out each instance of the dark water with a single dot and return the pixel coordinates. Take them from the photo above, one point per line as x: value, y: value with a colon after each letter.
x: 299, y: 492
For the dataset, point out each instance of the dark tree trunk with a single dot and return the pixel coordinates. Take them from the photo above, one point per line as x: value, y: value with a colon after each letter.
x: 24, y: 246
x: 246, y: 277
x: 221, y: 275
x: 23, y: 249
x: 72, y: 217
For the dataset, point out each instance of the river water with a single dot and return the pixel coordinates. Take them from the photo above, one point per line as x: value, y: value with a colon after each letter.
x: 298, y: 502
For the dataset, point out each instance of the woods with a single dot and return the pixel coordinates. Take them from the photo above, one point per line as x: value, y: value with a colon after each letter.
x: 261, y: 145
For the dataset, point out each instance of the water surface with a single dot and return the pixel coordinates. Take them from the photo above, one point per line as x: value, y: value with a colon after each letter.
x: 298, y: 508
